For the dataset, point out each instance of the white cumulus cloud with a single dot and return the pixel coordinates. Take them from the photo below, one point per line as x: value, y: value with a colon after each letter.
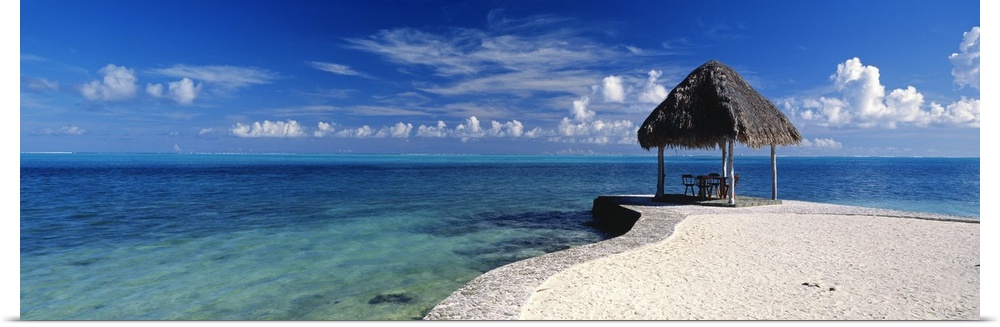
x: 822, y: 143
x: 630, y: 90
x: 119, y: 83
x: 966, y: 61
x: 653, y: 92
x: 290, y: 128
x: 862, y: 91
x: 324, y: 129
x: 154, y: 90
x: 963, y: 112
x: 512, y: 128
x: 613, y: 89
x: 861, y: 101
x: 439, y: 130
x: 399, y: 130
x: 598, y: 132
x: 184, y: 91
x: 361, y: 132
x: 580, y: 112
x: 583, y: 128
x: 472, y: 128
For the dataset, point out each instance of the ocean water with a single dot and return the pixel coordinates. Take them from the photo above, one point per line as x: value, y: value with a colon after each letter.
x: 361, y: 237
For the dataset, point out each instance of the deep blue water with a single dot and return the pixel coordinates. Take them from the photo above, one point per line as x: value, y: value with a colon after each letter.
x: 370, y: 237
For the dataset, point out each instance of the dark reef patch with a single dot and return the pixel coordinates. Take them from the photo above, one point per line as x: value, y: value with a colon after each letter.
x: 395, y: 298
x: 545, y: 232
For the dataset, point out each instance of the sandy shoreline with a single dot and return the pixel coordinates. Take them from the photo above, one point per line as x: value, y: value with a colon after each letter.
x: 798, y: 260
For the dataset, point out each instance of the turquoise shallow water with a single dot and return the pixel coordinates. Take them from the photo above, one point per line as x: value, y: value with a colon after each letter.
x: 360, y: 237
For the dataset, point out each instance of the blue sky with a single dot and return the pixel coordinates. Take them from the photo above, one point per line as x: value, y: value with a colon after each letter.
x: 888, y: 78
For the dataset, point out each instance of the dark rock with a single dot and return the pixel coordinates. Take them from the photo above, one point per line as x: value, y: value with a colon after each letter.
x: 84, y: 262
x: 390, y: 298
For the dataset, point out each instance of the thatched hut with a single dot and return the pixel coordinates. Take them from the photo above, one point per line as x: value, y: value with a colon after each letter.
x: 712, y: 107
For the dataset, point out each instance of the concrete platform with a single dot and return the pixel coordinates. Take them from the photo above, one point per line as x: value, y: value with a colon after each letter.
x: 741, y: 201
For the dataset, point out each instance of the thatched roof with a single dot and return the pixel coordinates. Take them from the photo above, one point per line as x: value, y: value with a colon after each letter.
x: 714, y: 104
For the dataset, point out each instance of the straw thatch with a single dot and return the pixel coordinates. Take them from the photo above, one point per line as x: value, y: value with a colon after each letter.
x: 711, y: 106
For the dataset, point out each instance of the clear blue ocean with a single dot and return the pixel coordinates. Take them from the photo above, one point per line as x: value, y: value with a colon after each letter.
x: 362, y: 237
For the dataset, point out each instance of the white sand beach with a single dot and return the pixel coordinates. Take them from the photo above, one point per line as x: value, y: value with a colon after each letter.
x: 793, y: 261
x: 777, y: 267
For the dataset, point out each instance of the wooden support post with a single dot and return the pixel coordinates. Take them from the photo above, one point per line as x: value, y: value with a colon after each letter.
x: 732, y: 174
x: 774, y: 175
x: 724, y: 170
x: 660, y: 172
